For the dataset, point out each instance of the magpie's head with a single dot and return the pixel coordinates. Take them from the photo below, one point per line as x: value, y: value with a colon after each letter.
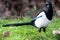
x: 48, y: 4
x: 48, y: 9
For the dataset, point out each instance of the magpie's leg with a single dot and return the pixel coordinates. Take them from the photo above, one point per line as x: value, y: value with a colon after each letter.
x: 39, y: 29
x: 44, y: 30
x: 41, y: 37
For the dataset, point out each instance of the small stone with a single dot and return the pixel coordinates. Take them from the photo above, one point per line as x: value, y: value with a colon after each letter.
x: 5, y: 34
x: 56, y: 32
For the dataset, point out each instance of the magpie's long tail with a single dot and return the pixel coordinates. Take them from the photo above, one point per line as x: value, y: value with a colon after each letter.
x: 17, y: 24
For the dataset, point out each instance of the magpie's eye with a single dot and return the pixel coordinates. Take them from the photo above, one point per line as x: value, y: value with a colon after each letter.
x: 47, y: 5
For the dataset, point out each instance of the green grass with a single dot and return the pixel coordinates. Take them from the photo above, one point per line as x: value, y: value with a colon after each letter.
x: 28, y: 32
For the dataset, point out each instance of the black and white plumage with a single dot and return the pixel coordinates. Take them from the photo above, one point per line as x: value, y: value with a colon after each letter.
x: 42, y: 20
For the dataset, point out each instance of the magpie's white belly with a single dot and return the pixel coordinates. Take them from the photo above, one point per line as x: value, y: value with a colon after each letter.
x: 42, y: 21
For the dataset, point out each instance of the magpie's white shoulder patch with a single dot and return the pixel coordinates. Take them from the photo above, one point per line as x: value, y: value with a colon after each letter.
x: 42, y: 21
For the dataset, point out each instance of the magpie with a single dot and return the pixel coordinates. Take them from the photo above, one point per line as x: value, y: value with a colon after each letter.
x: 41, y: 20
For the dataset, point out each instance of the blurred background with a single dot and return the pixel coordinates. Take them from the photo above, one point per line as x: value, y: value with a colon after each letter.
x: 22, y: 8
